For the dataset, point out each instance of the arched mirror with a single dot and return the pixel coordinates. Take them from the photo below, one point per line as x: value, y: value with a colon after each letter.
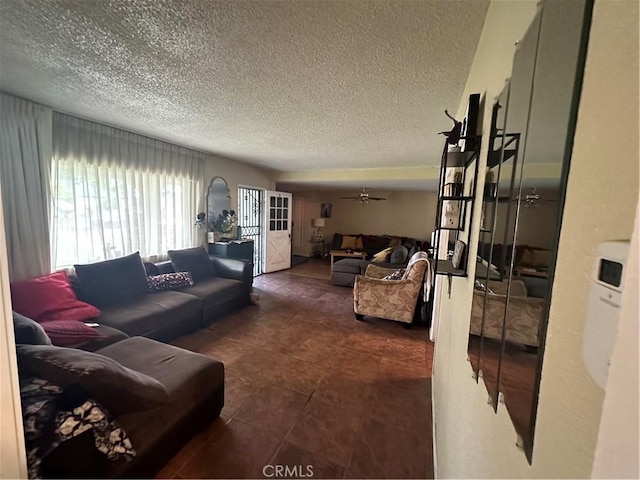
x: 541, y: 112
x: 218, y: 200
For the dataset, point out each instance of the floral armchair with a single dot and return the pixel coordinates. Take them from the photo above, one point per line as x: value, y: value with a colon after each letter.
x: 391, y: 299
x: 523, y: 317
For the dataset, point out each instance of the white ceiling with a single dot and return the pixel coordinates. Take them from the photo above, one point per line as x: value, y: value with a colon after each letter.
x: 289, y: 85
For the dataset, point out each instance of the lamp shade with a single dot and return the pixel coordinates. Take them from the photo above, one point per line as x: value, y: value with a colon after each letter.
x: 318, y: 222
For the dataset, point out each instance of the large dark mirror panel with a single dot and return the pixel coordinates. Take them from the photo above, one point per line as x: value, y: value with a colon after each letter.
x: 490, y: 296
x: 485, y: 270
x: 545, y: 153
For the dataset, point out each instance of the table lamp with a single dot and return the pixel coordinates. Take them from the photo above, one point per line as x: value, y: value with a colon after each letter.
x: 318, y: 223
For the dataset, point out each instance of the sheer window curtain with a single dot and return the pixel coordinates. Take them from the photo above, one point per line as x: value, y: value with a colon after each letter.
x: 25, y: 162
x: 116, y: 192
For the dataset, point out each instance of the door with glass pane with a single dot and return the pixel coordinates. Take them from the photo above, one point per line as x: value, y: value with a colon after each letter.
x: 278, y: 231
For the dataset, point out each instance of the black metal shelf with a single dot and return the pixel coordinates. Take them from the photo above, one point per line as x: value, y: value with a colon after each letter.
x: 445, y: 267
x: 457, y: 199
x: 495, y: 157
x: 462, y: 161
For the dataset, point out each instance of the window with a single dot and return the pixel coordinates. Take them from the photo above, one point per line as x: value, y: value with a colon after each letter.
x: 105, y: 205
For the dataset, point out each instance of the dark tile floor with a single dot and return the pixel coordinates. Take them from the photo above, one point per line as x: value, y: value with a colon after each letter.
x: 308, y: 385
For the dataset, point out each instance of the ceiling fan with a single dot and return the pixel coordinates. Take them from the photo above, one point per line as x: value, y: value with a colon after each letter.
x: 363, y: 197
x: 533, y: 199
x: 530, y: 198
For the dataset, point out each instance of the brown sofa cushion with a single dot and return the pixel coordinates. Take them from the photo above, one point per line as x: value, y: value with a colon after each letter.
x: 194, y: 260
x: 113, y: 281
x: 118, y: 388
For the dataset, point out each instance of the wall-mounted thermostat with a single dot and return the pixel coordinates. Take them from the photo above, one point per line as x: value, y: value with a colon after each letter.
x: 603, y: 309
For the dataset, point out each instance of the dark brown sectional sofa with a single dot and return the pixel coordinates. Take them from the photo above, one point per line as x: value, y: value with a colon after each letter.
x: 119, y: 289
x: 194, y: 382
x: 344, y: 272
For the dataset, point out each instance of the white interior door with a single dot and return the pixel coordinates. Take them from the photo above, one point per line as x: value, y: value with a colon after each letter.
x: 277, y: 231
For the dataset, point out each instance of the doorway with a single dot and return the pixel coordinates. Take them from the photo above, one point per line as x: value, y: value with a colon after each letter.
x: 250, y: 222
x: 277, y: 231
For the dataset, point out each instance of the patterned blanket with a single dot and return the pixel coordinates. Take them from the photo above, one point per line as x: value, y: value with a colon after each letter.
x: 52, y: 415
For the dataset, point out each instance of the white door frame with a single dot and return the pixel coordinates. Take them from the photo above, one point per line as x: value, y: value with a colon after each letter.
x: 277, y: 225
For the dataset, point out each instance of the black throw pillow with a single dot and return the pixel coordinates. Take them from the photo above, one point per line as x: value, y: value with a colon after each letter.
x: 118, y: 388
x: 113, y: 281
x: 195, y: 260
x: 29, y: 332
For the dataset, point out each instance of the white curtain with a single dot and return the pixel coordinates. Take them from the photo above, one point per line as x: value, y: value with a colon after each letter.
x: 25, y: 162
x: 116, y: 192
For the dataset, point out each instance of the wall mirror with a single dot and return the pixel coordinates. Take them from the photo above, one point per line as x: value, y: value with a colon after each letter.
x: 541, y: 113
x: 510, y: 113
x: 218, y: 199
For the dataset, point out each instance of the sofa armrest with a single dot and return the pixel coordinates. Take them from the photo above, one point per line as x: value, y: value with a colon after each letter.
x: 233, y: 268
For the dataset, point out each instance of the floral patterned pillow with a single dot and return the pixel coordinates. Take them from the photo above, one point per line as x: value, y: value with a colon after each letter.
x: 169, y: 281
x: 397, y: 275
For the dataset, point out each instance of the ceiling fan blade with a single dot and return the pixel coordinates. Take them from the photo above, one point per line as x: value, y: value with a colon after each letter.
x: 376, y: 198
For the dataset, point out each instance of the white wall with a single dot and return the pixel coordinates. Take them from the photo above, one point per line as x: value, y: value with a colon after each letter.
x: 405, y: 214
x: 472, y: 441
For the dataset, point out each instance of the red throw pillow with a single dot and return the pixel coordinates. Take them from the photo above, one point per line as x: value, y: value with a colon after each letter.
x: 69, y: 333
x: 50, y: 298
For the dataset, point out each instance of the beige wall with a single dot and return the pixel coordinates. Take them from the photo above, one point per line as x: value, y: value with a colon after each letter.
x: 618, y: 446
x: 235, y: 173
x: 534, y: 226
x: 406, y: 214
x: 602, y: 193
x: 12, y: 449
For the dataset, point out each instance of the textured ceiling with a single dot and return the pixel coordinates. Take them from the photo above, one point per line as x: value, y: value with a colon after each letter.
x: 281, y: 84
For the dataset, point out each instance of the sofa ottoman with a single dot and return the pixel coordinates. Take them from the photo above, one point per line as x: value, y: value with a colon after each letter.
x: 195, y: 384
